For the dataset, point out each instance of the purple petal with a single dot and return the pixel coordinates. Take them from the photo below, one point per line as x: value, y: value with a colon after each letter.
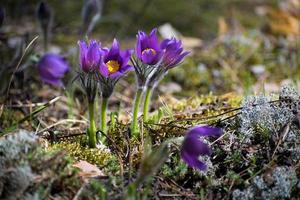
x: 153, y: 40
x: 103, y: 70
x: 126, y: 68
x: 114, y: 52
x: 173, y: 52
x: 193, y: 161
x: 93, y: 54
x: 144, y: 43
x: 172, y: 60
x: 158, y: 57
x: 82, y: 51
x: 125, y: 55
x: 53, y: 65
x: 164, y: 43
x: 205, y: 131
x: 52, y: 68
x: 115, y: 75
x: 141, y: 36
x: 192, y: 146
x: 148, y: 57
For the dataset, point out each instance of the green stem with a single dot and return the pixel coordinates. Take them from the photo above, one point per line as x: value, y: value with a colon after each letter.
x: 136, y: 106
x: 45, y: 40
x: 147, y: 103
x: 103, y: 115
x: 92, y: 128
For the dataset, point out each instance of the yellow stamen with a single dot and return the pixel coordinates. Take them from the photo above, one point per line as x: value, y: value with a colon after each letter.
x: 149, y: 49
x: 112, y: 66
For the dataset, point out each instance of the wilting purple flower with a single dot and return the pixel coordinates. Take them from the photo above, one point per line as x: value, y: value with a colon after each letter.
x: 193, y: 146
x: 173, y: 54
x: 90, y: 55
x: 52, y: 68
x: 148, y: 48
x: 115, y: 61
x: 2, y: 15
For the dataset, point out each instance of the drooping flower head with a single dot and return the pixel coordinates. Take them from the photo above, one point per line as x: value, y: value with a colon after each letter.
x: 115, y: 61
x: 90, y: 55
x: 173, y: 53
x: 148, y: 48
x: 193, y: 146
x: 52, y: 68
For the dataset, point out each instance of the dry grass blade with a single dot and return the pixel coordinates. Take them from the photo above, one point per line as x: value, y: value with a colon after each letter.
x: 32, y: 114
x: 61, y: 122
x: 19, y: 63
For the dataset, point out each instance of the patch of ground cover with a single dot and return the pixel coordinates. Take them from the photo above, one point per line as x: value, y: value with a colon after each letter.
x: 254, y: 158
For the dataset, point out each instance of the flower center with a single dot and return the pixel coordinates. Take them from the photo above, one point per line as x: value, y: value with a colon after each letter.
x: 112, y: 66
x: 148, y: 50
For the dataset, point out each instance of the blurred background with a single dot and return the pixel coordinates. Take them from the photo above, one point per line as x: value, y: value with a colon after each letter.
x: 198, y: 18
x: 241, y: 46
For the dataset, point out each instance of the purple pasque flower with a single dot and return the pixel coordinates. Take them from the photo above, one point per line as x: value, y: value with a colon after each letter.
x: 148, y: 49
x: 173, y: 52
x: 115, y: 62
x: 193, y: 147
x: 173, y: 55
x: 90, y: 55
x: 52, y: 68
x: 113, y: 66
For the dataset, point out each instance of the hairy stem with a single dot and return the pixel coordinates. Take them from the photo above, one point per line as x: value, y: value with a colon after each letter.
x: 103, y: 116
x: 92, y: 128
x: 147, y: 103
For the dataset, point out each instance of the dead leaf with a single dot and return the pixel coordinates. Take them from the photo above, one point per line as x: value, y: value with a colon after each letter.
x: 88, y: 170
x: 280, y: 22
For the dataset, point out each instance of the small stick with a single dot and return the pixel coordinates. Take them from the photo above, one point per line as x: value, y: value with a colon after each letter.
x: 61, y: 122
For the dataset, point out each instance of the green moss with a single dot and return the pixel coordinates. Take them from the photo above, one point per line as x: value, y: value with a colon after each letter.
x: 79, y: 152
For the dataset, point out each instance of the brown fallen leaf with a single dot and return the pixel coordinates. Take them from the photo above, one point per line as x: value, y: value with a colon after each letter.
x: 88, y: 170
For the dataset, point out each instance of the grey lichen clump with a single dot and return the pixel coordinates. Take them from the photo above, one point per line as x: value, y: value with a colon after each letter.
x: 27, y: 171
x: 262, y: 116
x: 15, y: 174
x: 276, y: 185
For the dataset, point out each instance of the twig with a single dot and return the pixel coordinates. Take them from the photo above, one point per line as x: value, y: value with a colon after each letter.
x: 76, y: 197
x: 61, y: 122
x: 286, y: 130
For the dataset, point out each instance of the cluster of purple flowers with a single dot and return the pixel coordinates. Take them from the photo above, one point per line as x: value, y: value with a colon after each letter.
x: 110, y: 63
x: 155, y: 56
